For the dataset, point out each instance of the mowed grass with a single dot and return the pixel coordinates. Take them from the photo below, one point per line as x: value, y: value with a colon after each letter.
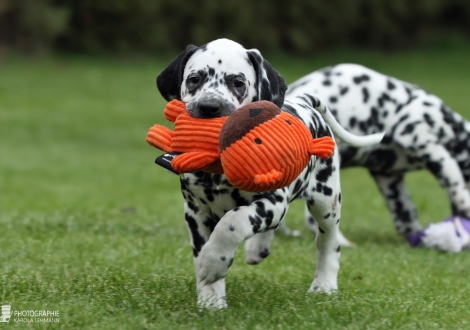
x: 92, y: 228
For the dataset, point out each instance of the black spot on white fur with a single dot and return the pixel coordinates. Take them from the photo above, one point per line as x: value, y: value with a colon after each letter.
x: 362, y: 78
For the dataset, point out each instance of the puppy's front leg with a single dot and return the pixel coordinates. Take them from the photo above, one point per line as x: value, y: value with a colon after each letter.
x: 197, y: 216
x: 237, y: 225
x: 258, y: 247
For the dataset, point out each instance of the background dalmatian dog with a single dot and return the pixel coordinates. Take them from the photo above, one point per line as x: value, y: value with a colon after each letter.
x: 214, y: 80
x: 421, y: 133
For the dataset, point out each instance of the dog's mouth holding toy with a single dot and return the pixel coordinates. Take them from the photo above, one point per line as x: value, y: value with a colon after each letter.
x: 259, y: 148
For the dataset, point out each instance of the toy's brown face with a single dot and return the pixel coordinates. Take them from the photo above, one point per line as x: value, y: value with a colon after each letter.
x: 244, y: 120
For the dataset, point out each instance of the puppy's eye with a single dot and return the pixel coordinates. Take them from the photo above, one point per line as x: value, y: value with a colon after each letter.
x: 237, y: 83
x: 194, y: 80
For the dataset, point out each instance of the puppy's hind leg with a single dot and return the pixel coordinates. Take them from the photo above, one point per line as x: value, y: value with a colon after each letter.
x: 328, y: 247
x: 324, y: 204
x: 313, y: 226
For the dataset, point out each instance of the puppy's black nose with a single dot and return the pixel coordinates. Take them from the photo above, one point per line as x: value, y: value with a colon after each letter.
x: 209, y: 109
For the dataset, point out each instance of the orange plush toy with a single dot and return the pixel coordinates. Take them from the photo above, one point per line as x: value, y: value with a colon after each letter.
x: 258, y: 147
x: 264, y: 148
x: 196, y: 139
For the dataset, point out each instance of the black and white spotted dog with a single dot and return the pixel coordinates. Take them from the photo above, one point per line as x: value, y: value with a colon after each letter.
x: 421, y: 133
x: 214, y: 80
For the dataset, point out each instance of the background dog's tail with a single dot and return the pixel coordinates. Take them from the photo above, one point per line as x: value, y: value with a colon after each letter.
x: 349, y: 138
x: 339, y: 131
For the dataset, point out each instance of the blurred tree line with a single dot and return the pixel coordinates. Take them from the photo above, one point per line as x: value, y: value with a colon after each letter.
x: 296, y: 27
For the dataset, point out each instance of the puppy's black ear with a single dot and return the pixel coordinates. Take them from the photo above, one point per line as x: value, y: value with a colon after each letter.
x: 169, y: 80
x: 269, y: 83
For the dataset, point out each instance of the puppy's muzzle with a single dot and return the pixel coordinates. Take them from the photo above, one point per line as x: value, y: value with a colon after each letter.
x: 209, y: 109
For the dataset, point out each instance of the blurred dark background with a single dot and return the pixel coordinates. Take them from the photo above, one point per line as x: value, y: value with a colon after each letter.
x: 298, y: 27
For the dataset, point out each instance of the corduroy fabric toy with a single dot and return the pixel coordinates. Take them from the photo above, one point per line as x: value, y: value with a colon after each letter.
x: 264, y: 148
x: 258, y: 147
x: 196, y: 139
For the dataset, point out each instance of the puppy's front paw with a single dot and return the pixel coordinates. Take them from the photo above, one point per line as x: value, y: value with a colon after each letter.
x: 211, y: 296
x: 258, y: 247
x: 323, y: 287
x: 212, y: 264
x: 254, y: 254
x: 211, y: 301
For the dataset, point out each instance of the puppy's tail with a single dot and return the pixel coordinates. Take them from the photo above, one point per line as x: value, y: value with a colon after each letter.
x: 339, y: 131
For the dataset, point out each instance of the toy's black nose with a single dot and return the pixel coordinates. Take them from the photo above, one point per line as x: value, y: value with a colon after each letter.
x: 209, y: 109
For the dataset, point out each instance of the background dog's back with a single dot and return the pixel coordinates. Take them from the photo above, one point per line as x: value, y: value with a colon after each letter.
x: 421, y: 133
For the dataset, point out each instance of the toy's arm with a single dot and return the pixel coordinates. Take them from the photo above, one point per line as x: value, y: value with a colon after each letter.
x: 173, y: 109
x: 322, y: 147
x: 193, y: 161
x: 160, y: 137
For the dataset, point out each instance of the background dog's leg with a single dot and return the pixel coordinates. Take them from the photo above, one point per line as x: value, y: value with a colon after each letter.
x: 399, y: 202
x: 416, y: 139
x: 236, y: 226
x: 446, y: 170
x: 313, y: 226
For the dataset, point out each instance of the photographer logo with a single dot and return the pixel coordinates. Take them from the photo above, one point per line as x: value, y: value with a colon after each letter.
x: 6, y: 313
x: 28, y: 315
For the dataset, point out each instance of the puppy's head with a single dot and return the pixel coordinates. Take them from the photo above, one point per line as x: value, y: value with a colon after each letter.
x: 219, y: 77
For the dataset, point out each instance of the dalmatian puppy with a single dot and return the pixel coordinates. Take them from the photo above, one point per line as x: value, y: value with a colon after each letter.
x: 214, y: 80
x: 421, y: 133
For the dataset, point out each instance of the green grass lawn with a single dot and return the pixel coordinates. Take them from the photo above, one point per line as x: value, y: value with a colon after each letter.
x: 92, y: 228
